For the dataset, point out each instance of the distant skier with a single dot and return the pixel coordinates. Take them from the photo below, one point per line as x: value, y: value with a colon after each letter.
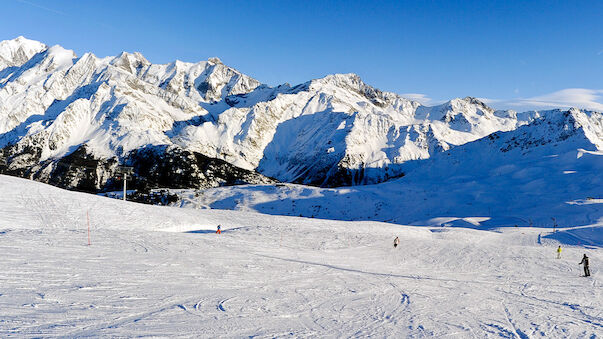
x: 219, y: 231
x: 559, y: 252
x: 586, y: 268
x: 396, y: 242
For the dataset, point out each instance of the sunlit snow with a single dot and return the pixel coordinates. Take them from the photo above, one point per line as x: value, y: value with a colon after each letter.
x: 162, y: 271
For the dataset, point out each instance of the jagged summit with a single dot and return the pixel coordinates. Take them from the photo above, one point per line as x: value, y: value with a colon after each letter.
x: 214, y: 60
x: 475, y: 101
x: 131, y: 62
x: 20, y: 42
x: 17, y: 51
x: 336, y: 130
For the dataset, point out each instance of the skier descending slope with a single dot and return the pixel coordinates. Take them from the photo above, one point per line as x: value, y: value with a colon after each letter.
x: 396, y: 242
x: 586, y: 268
x: 219, y: 230
x: 559, y: 252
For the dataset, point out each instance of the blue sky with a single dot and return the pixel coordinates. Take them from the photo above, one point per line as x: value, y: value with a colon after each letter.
x: 514, y: 54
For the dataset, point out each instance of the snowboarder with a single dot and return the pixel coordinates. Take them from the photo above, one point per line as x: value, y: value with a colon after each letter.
x: 396, y: 242
x: 559, y: 252
x: 586, y: 268
x: 219, y: 231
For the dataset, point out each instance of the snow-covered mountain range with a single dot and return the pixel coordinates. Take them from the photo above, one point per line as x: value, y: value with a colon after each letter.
x: 62, y: 116
x: 81, y: 265
x: 544, y: 170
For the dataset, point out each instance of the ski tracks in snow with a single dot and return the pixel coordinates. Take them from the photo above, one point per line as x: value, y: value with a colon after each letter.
x: 325, y: 278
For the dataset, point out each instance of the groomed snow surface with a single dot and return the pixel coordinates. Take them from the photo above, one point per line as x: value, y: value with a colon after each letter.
x: 162, y: 271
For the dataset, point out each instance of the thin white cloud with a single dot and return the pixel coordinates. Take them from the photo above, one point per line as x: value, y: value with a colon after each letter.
x: 41, y: 7
x: 584, y: 98
x: 570, y: 97
x: 422, y: 98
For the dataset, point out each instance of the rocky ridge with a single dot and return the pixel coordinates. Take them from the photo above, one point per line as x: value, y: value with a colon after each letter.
x: 58, y: 108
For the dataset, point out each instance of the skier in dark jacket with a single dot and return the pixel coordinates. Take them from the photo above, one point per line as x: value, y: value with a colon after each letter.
x: 586, y: 268
x: 396, y: 242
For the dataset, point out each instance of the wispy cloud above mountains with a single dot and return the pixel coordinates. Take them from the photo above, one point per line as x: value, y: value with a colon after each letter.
x: 422, y: 98
x: 570, y: 97
x: 591, y: 99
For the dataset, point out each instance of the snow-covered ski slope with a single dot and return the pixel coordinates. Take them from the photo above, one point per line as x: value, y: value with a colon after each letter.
x: 161, y: 271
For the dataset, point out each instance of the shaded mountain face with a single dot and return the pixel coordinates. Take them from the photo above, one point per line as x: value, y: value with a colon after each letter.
x: 153, y: 167
x: 56, y: 108
x: 539, y: 174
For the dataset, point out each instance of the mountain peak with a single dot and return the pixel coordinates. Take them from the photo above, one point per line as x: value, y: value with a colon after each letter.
x: 468, y: 102
x: 474, y: 100
x: 340, y: 78
x: 136, y: 56
x: 215, y: 61
x: 17, y: 51
x: 20, y: 41
x: 130, y: 62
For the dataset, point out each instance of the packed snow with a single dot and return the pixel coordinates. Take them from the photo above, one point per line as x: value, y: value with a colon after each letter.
x: 163, y: 271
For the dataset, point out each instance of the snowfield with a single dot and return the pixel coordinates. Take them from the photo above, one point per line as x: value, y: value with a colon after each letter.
x: 162, y: 271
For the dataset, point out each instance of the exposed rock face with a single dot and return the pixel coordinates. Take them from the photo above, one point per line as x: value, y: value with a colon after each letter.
x: 173, y: 167
x: 56, y: 108
x: 153, y: 167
